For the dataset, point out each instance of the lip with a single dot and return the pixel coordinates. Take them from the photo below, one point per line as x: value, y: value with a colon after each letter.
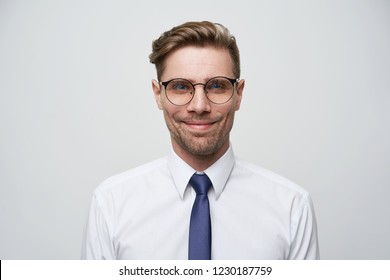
x: 199, y: 125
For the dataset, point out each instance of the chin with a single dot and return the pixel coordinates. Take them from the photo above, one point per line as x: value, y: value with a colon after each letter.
x: 202, y: 149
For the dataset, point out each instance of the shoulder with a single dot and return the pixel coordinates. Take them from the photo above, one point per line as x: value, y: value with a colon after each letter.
x: 265, y: 178
x: 132, y: 175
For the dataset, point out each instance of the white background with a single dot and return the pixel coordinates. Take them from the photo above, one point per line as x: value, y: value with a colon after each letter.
x: 76, y: 107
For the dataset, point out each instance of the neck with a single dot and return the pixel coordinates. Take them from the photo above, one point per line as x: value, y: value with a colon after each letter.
x: 200, y: 162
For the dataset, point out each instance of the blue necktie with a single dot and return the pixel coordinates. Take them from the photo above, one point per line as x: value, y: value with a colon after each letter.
x: 200, y: 223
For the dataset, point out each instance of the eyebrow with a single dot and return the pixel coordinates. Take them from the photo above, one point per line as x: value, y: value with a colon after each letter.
x: 208, y: 78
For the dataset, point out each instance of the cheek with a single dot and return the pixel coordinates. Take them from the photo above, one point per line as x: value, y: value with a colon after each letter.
x: 229, y: 120
x: 170, y: 114
x: 228, y: 114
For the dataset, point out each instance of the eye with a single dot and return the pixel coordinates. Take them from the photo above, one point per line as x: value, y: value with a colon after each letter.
x: 217, y: 85
x: 179, y: 85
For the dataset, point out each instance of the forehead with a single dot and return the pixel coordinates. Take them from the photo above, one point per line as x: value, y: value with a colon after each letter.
x: 197, y: 63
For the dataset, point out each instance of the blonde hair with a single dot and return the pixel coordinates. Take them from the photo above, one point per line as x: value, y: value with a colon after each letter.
x: 200, y: 34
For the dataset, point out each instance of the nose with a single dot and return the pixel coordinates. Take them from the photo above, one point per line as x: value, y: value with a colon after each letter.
x: 199, y: 103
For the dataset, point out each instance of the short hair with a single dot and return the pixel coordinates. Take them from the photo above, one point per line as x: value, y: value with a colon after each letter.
x: 194, y: 33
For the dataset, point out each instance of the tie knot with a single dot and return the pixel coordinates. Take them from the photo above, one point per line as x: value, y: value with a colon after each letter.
x: 201, y: 183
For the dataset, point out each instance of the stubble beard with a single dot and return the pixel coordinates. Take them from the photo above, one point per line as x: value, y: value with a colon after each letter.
x: 201, y: 145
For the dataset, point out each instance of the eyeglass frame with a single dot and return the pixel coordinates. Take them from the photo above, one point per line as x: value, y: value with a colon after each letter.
x: 232, y: 81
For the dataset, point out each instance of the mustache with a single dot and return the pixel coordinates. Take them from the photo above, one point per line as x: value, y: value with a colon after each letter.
x: 198, y: 118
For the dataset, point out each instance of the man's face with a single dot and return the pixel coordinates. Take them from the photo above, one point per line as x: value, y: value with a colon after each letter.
x: 199, y: 128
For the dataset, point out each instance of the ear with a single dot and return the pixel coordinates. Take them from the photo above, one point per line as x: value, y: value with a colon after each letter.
x: 239, y: 90
x: 157, y: 93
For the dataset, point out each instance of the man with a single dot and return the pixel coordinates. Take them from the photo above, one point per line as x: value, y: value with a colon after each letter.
x: 200, y: 202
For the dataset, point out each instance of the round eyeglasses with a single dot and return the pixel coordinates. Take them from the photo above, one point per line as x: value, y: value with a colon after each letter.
x: 218, y: 90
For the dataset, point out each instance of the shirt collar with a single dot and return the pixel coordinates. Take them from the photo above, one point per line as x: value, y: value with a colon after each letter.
x: 218, y: 173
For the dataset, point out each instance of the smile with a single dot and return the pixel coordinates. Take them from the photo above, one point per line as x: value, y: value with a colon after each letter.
x: 199, y: 125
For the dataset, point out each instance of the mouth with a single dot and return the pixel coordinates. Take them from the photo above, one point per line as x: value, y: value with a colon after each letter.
x: 199, y: 126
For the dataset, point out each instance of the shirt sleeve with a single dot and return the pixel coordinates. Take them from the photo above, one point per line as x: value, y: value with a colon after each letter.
x: 304, y: 240
x: 97, y: 241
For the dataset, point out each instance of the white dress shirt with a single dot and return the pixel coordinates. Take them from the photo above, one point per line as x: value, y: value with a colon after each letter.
x: 144, y: 213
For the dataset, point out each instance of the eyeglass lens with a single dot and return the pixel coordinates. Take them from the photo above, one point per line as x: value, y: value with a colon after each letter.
x: 218, y: 90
